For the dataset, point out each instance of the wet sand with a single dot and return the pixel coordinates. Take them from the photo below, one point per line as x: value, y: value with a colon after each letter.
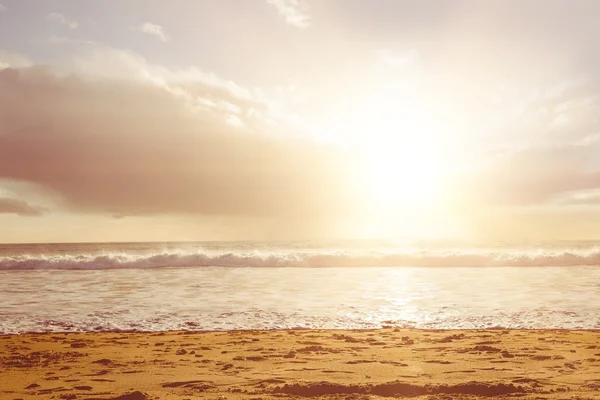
x: 302, y: 364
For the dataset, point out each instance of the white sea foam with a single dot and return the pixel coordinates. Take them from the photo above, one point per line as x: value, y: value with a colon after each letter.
x: 323, y: 258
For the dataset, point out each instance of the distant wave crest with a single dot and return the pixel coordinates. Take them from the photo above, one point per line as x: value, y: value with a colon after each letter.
x: 298, y: 259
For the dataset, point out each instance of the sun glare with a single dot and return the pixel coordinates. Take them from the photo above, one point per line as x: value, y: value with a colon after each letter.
x: 399, y: 146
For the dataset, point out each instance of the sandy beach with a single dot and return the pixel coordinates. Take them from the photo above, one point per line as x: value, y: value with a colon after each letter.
x: 302, y: 363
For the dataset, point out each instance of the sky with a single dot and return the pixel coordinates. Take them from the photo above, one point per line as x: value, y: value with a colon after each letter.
x: 155, y: 120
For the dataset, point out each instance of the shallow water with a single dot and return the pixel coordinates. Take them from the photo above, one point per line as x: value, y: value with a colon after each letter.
x: 92, y: 292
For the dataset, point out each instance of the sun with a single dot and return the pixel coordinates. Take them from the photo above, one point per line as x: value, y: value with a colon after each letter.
x: 399, y: 148
x: 399, y: 178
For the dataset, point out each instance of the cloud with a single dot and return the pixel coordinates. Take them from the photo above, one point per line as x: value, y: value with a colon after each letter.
x: 195, y: 87
x: 10, y: 205
x: 153, y: 30
x: 291, y: 11
x: 61, y: 19
x: 112, y: 133
x: 3, y: 8
x: 532, y: 177
x: 13, y: 60
x: 161, y: 144
x: 519, y: 157
x: 580, y: 198
x: 66, y: 40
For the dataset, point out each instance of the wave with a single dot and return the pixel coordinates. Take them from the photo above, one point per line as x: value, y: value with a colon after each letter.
x: 297, y: 259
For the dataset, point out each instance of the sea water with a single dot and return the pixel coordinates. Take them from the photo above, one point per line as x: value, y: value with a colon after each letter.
x: 257, y: 285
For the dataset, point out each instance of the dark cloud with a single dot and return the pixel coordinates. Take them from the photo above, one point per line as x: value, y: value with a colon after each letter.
x: 130, y: 148
x: 9, y: 205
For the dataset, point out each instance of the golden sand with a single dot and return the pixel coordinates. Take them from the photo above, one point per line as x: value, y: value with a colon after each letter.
x: 300, y: 364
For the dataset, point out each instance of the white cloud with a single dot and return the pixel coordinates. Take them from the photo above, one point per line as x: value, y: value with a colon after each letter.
x: 588, y: 140
x: 579, y: 197
x: 2, y: 8
x: 64, y: 40
x: 61, y: 19
x: 154, y: 30
x: 291, y: 11
x: 198, y: 89
x: 116, y: 64
x: 13, y: 60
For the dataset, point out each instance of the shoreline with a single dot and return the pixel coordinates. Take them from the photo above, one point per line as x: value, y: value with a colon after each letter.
x: 299, y: 329
x: 302, y: 363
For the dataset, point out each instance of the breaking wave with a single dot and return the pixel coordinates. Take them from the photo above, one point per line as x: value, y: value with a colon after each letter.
x: 298, y: 259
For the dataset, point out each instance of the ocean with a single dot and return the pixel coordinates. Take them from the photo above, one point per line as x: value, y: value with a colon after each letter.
x: 264, y: 285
